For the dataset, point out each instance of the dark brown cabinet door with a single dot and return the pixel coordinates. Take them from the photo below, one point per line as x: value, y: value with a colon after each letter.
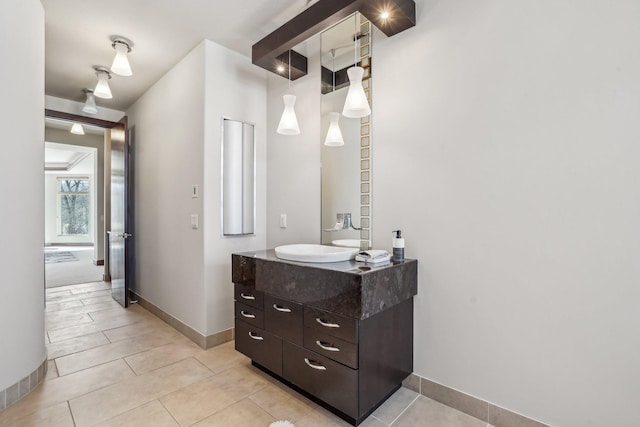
x: 283, y: 318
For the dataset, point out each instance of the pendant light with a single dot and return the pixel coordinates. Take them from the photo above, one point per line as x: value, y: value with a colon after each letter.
x: 289, y: 122
x: 121, y: 64
x: 90, y: 104
x: 77, y: 129
x: 356, y: 104
x: 102, y: 89
x: 334, y: 134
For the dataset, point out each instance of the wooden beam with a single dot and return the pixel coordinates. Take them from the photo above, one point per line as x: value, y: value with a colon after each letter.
x: 268, y: 52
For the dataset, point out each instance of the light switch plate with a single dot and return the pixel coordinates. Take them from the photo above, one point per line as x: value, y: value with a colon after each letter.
x: 194, y: 191
x: 283, y: 220
x: 194, y: 221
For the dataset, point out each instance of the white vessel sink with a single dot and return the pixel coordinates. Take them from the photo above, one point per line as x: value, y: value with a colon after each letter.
x: 315, y: 253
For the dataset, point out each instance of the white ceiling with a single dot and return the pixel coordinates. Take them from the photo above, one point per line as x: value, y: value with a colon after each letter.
x: 78, y: 35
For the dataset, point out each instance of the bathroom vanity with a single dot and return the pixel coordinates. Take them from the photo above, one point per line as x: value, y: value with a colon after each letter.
x: 340, y: 333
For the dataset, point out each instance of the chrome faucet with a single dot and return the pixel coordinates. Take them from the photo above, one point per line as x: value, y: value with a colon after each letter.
x: 343, y: 222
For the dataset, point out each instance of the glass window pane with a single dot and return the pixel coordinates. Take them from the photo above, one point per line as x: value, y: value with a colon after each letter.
x: 74, y: 185
x: 74, y: 214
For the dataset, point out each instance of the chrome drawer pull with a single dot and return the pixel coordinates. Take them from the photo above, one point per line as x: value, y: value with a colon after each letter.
x: 282, y: 309
x: 249, y: 315
x: 249, y: 297
x: 255, y: 337
x: 327, y: 325
x: 325, y: 346
x: 315, y: 365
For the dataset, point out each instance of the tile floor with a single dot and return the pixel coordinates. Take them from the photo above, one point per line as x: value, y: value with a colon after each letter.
x: 114, y: 367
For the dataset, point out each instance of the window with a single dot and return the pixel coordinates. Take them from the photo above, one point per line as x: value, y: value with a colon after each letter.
x: 73, y: 202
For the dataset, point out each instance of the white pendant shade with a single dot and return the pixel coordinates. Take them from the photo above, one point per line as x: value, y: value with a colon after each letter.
x: 77, y: 129
x: 121, y: 64
x: 334, y: 135
x: 90, y: 104
x: 356, y: 104
x: 102, y: 89
x: 289, y: 122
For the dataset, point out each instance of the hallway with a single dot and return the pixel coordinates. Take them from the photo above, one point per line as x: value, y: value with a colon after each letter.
x: 114, y: 367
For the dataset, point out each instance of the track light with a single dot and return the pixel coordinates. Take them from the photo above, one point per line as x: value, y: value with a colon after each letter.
x: 121, y: 64
x: 90, y: 104
x: 102, y: 89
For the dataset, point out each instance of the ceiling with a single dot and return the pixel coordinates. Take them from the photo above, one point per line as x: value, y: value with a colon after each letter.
x: 78, y: 36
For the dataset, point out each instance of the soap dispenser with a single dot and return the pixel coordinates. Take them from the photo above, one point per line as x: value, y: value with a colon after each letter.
x: 398, y: 246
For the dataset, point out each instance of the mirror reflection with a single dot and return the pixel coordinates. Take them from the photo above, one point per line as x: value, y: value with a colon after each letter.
x: 345, y: 154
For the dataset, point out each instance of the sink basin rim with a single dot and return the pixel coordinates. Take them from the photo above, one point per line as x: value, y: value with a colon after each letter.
x: 307, y: 252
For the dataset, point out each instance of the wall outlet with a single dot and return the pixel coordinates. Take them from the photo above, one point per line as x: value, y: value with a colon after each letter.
x: 283, y: 220
x: 194, y: 191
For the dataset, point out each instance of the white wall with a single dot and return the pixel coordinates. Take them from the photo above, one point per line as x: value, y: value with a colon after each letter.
x: 22, y: 190
x: 168, y: 124
x: 294, y: 160
x: 506, y: 147
x: 177, y: 124
x: 235, y: 89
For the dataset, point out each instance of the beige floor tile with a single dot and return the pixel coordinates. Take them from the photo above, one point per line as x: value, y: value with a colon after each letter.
x: 87, y: 328
x: 320, y: 417
x: 90, y: 287
x: 108, y: 352
x: 146, y: 326
x: 207, y: 397
x: 222, y: 357
x: 153, y: 414
x: 62, y: 305
x: 61, y: 389
x: 58, y: 416
x: 74, y: 345
x: 58, y: 322
x: 109, y: 402
x: 395, y: 405
x: 161, y: 356
x: 118, y: 311
x: 55, y: 292
x: 282, y: 403
x: 52, y: 371
x: 91, y: 308
x: 372, y: 421
x: 245, y: 413
x: 97, y: 299
x: 425, y: 412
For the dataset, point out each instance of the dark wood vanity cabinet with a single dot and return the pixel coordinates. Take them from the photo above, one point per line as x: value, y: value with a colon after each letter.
x: 341, y: 334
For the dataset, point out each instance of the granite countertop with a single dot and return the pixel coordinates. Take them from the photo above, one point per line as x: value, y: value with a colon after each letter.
x: 350, y: 288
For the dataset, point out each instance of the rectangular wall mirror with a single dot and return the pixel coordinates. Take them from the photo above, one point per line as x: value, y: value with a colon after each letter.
x: 238, y: 178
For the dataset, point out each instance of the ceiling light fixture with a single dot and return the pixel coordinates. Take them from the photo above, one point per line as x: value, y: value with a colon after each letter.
x: 90, y: 104
x: 334, y: 134
x: 77, y: 129
x: 385, y: 15
x: 356, y: 104
x: 289, y: 122
x: 102, y: 89
x: 121, y: 64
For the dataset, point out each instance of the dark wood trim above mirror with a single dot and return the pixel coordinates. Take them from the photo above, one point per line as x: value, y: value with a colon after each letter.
x: 321, y: 15
x: 53, y: 114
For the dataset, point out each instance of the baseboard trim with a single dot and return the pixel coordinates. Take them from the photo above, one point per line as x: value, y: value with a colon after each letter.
x: 17, y: 391
x: 470, y: 405
x: 203, y: 341
x: 98, y: 262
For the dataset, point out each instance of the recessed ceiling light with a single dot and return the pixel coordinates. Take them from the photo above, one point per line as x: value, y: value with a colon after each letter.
x: 385, y: 14
x: 280, y: 68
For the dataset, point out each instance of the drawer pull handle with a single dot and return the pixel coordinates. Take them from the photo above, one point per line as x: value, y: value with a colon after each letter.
x: 282, y: 309
x: 326, y: 324
x: 326, y: 346
x: 248, y: 315
x: 255, y: 337
x: 249, y: 297
x: 315, y: 365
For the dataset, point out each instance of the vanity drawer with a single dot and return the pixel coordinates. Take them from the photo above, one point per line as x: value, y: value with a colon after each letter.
x: 331, y: 347
x: 283, y: 318
x: 250, y: 314
x: 329, y: 381
x: 336, y: 325
x: 260, y: 346
x: 248, y: 295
